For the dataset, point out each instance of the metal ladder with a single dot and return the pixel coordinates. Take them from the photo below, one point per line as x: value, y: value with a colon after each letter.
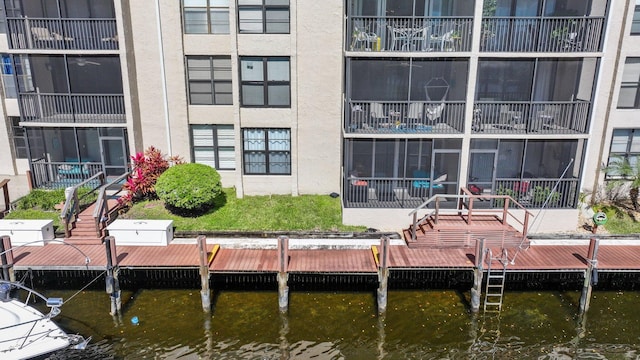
x: 494, y: 289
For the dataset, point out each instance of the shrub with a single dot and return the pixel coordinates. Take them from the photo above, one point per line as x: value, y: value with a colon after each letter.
x: 189, y: 188
x: 147, y: 167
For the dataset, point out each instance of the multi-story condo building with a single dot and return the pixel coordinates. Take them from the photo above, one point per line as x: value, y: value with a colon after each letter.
x: 386, y: 102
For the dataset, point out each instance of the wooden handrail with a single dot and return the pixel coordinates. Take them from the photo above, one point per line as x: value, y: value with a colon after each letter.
x: 102, y: 205
x: 72, y: 203
x: 467, y: 208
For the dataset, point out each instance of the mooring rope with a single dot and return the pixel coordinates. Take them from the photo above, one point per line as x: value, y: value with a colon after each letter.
x: 85, y: 287
x: 542, y: 209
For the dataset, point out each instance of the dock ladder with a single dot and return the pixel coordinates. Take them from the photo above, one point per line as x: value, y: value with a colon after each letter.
x: 496, y: 274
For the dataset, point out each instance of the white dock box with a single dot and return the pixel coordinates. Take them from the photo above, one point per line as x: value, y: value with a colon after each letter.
x: 27, y: 232
x: 141, y: 232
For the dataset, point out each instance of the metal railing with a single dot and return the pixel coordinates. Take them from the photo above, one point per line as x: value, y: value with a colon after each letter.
x: 101, y: 212
x: 62, y: 34
x: 417, y: 117
x: 409, y: 34
x: 73, y: 108
x: 465, y: 207
x: 389, y: 192
x: 74, y: 204
x: 540, y: 34
x: 58, y: 174
x: 534, y: 193
x: 570, y: 117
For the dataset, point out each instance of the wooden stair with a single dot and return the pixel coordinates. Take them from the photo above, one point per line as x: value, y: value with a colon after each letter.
x: 454, y: 231
x: 84, y: 231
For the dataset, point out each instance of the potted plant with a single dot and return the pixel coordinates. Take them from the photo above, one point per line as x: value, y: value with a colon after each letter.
x: 540, y: 195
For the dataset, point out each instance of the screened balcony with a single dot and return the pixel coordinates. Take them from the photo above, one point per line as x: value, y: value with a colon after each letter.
x: 533, y: 34
x: 72, y: 108
x: 61, y: 25
x: 415, y: 117
x: 543, y: 26
x: 405, y: 95
x: 370, y: 192
x: 531, y: 117
x: 62, y: 34
x: 70, y: 89
x: 409, y: 25
x: 409, y: 34
x: 544, y: 95
x: 60, y: 157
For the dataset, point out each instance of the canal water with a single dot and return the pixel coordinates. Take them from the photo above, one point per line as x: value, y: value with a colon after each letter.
x: 419, y: 324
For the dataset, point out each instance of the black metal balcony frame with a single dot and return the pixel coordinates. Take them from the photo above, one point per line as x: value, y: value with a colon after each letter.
x: 409, y: 34
x: 62, y: 34
x: 369, y: 192
x: 454, y: 34
x: 72, y: 108
x: 534, y: 117
x: 404, y: 117
x: 542, y: 34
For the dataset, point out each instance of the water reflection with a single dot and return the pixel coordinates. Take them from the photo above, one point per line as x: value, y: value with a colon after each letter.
x: 417, y: 325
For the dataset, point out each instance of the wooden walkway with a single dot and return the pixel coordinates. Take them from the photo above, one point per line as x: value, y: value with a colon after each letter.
x: 540, y: 258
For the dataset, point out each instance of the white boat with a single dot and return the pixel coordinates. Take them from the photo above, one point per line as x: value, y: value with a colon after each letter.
x: 27, y: 333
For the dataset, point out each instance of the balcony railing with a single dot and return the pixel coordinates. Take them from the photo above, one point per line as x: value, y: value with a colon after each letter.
x: 409, y: 34
x: 368, y: 192
x: 534, y: 34
x: 62, y: 34
x: 417, y: 117
x: 531, y: 117
x: 73, y: 108
x: 56, y: 175
x: 536, y: 193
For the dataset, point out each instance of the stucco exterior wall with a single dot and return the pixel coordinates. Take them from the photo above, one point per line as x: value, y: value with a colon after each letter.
x: 605, y: 116
x: 172, y: 136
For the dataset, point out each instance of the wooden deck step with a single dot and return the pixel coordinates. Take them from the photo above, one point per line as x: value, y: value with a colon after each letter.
x: 455, y: 231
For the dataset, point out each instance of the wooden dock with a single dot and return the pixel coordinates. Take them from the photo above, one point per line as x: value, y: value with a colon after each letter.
x: 536, y: 258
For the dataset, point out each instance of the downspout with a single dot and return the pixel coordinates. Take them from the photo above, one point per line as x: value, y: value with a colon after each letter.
x: 164, y: 80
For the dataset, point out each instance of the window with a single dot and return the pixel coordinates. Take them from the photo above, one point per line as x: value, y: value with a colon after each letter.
x: 263, y: 16
x: 635, y: 24
x: 209, y: 80
x: 265, y: 82
x: 267, y: 151
x: 629, y: 97
x: 214, y: 145
x: 625, y: 144
x: 19, y: 139
x: 206, y: 16
x: 8, y: 82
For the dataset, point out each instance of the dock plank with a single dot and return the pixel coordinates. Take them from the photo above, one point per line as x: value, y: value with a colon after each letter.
x: 245, y: 260
x: 535, y: 258
x: 334, y: 261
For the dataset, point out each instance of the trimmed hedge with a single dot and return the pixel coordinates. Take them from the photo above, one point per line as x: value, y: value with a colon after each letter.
x: 189, y: 188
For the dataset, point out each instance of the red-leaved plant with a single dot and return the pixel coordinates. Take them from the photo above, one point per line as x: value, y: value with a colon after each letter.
x: 147, y: 167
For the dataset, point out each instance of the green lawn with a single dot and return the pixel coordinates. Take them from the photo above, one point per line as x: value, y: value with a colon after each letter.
x: 255, y: 213
x: 619, y: 221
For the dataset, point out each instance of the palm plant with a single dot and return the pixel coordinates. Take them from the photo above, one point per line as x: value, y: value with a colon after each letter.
x: 622, y: 172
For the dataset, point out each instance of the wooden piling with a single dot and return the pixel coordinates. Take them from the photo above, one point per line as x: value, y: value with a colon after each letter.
x: 478, y: 272
x: 205, y: 293
x: 283, y: 274
x: 112, y: 284
x: 592, y: 265
x: 7, y: 259
x: 383, y: 275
